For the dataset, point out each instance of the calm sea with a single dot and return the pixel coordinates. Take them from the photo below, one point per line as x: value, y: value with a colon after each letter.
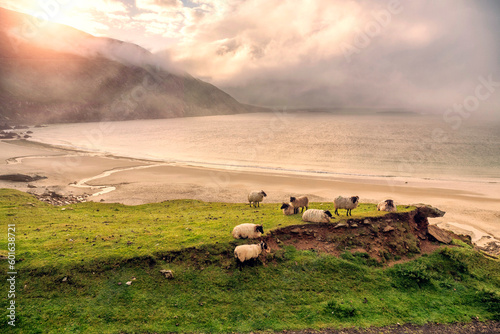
x: 306, y: 142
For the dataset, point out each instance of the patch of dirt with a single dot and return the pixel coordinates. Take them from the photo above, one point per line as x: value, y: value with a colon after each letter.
x: 389, y: 239
x: 475, y: 327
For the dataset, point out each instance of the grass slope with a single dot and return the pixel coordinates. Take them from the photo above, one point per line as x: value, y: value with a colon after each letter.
x: 73, y: 260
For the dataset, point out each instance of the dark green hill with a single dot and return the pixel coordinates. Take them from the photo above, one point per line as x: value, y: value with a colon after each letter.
x: 54, y: 73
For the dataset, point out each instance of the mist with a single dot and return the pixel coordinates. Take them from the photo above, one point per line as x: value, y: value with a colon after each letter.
x: 424, y: 56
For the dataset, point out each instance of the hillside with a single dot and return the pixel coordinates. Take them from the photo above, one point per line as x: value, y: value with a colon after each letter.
x: 54, y: 73
x: 96, y: 268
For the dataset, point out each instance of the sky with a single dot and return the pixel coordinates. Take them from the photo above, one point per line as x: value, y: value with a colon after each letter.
x: 420, y: 55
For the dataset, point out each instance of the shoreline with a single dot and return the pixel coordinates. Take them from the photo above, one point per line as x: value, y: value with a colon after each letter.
x: 470, y: 206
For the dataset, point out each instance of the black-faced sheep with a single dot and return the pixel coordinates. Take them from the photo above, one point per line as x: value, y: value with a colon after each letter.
x: 255, y: 197
x: 347, y: 203
x: 387, y: 205
x: 288, y: 209
x: 244, y: 231
x: 300, y: 202
x: 244, y: 253
x: 316, y: 216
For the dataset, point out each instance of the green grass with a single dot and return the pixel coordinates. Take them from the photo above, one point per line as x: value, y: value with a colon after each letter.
x: 292, y: 289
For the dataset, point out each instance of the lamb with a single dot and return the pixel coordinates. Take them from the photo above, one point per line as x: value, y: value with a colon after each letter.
x: 244, y: 231
x: 387, y: 205
x: 288, y: 209
x: 256, y: 197
x: 244, y: 253
x: 299, y: 202
x: 347, y: 203
x: 316, y: 216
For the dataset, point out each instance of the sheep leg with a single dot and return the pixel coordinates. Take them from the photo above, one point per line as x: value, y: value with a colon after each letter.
x: 337, y: 212
x: 238, y: 264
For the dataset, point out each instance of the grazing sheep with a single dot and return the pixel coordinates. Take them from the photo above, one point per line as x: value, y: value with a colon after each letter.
x: 244, y: 231
x: 288, y: 209
x: 300, y: 202
x: 387, y: 205
x: 244, y: 253
x: 316, y: 216
x: 347, y: 203
x: 256, y: 197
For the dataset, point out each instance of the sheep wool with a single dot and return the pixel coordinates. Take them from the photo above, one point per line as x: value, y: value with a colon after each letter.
x: 244, y: 253
x: 300, y: 202
x: 244, y: 231
x: 316, y: 216
x: 255, y: 197
x: 288, y: 209
x: 387, y: 205
x: 347, y: 203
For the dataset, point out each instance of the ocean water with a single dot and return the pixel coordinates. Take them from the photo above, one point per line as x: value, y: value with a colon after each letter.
x: 369, y: 144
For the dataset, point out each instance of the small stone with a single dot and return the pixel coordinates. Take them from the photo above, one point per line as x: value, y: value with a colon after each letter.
x: 129, y: 283
x: 388, y: 228
x: 169, y: 274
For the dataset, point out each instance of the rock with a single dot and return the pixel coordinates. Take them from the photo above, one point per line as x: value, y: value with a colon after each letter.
x: 354, y: 225
x: 439, y: 234
x: 429, y: 211
x: 8, y: 135
x: 341, y: 224
x: 64, y: 279
x: 169, y: 274
x: 295, y: 230
x: 388, y: 228
x: 367, y: 222
x: 31, y: 186
x: 21, y: 177
x: 129, y: 283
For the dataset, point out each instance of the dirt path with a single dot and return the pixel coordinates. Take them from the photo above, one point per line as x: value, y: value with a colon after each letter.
x: 475, y: 327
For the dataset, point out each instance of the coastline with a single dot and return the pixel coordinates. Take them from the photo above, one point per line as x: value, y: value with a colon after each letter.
x: 470, y: 206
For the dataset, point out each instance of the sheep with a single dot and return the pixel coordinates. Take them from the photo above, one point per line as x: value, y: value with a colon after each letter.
x: 347, y: 203
x: 300, y: 202
x: 256, y: 197
x: 244, y: 231
x: 244, y: 253
x: 316, y: 216
x: 387, y: 205
x: 288, y: 209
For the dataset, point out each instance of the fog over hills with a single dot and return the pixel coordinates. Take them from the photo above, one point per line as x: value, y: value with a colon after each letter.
x: 54, y: 73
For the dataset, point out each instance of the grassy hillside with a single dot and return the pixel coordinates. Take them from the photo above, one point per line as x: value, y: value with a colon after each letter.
x: 72, y: 260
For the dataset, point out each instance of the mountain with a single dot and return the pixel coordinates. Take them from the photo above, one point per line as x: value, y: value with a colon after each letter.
x: 54, y: 73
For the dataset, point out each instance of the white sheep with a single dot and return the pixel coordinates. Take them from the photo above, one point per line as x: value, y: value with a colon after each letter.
x: 347, y: 203
x: 256, y: 197
x: 288, y: 209
x: 244, y: 253
x: 244, y: 231
x: 316, y: 216
x: 300, y: 202
x: 387, y: 205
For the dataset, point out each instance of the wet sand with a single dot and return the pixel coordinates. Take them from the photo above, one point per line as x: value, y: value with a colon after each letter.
x: 472, y: 208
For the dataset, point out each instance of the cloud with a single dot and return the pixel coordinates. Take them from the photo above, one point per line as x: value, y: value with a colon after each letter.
x: 420, y: 55
x: 158, y: 5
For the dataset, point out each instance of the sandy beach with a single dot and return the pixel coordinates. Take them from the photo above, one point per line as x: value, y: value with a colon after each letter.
x: 471, y: 208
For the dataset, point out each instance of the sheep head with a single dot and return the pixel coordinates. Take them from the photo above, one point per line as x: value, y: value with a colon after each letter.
x: 259, y: 228
x: 285, y: 206
x: 265, y: 247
